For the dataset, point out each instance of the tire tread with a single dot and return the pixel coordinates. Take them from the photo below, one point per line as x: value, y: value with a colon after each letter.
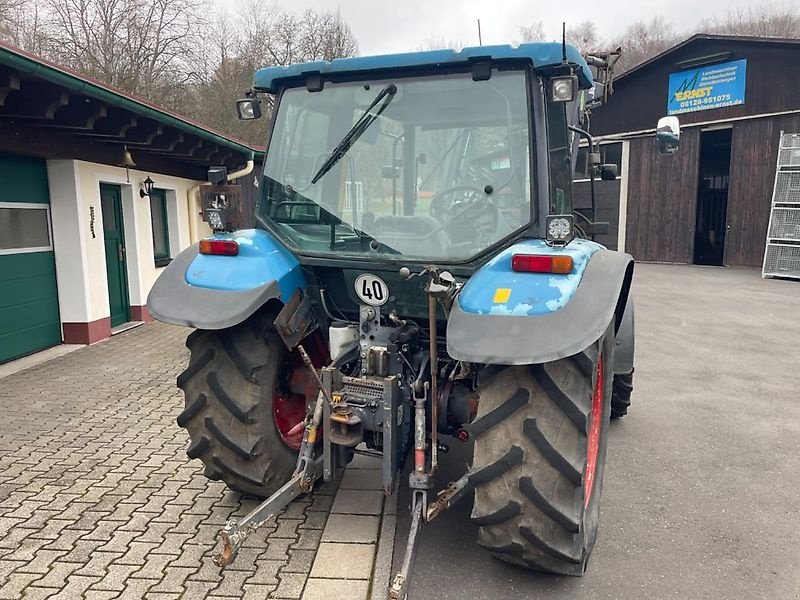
x: 191, y: 411
x: 509, y: 511
x: 219, y: 434
x: 242, y: 415
x: 621, y: 394
x: 228, y: 387
x: 568, y: 522
x: 567, y: 405
x: 530, y: 458
x: 506, y: 462
x: 501, y: 413
x: 195, y: 367
x: 573, y: 473
x: 539, y: 543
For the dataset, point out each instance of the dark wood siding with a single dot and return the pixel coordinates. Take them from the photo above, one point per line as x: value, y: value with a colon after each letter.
x: 662, y: 196
x: 754, y: 152
x: 640, y: 98
x: 607, y: 201
x: 251, y: 192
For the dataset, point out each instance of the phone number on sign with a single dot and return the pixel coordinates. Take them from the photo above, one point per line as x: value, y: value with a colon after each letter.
x: 707, y: 100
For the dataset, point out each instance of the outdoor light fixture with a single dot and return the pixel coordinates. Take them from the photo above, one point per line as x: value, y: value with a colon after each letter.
x: 562, y: 89
x: 559, y: 229
x: 148, y: 187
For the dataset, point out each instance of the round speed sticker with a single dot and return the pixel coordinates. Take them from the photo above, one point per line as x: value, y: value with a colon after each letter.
x: 371, y: 289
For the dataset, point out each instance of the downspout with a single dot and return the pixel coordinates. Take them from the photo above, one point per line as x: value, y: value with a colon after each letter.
x: 193, y: 204
x: 248, y: 168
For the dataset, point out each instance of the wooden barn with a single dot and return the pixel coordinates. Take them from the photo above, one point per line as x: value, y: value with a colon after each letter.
x: 709, y: 203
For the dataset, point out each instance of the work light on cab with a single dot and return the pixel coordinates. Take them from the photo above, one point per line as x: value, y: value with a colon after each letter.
x: 559, y: 229
x: 562, y: 89
x: 219, y: 247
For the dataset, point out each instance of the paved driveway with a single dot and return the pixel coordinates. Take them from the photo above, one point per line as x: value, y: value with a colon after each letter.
x: 98, y: 500
x: 702, y: 494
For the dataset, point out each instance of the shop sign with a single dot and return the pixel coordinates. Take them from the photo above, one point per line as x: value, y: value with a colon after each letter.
x: 714, y: 86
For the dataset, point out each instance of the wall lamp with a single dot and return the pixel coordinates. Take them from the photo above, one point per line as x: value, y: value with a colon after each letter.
x: 148, y: 187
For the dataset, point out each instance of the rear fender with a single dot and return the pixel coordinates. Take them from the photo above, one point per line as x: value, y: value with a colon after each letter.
x: 216, y: 292
x: 625, y: 341
x: 543, y: 317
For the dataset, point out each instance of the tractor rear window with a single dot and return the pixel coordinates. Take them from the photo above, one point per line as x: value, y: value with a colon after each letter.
x: 430, y: 168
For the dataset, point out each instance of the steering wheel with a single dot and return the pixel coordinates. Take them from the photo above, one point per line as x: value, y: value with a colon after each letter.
x: 441, y: 210
x: 473, y: 210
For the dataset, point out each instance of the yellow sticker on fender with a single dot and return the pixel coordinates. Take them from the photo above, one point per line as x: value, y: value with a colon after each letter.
x: 501, y: 295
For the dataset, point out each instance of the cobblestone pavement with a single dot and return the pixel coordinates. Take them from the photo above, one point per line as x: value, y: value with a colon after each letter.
x: 98, y: 499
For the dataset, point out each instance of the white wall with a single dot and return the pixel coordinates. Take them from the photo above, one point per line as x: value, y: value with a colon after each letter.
x: 72, y: 241
x: 80, y: 258
x: 623, y: 198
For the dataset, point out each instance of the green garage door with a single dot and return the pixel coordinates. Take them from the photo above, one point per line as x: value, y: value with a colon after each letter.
x: 29, y: 318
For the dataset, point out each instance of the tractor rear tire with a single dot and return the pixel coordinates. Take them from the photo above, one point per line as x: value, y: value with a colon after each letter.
x: 621, y: 395
x: 229, y: 386
x: 540, y: 449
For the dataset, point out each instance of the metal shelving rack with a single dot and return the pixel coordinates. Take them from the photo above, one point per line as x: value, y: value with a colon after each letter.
x: 782, y: 252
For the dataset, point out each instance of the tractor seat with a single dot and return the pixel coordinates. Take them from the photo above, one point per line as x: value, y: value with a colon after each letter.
x: 406, y: 234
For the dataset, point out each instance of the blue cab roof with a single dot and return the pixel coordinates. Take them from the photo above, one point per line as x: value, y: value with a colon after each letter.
x: 540, y: 55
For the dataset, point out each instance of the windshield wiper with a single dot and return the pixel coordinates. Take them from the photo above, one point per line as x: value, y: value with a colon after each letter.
x: 360, y: 126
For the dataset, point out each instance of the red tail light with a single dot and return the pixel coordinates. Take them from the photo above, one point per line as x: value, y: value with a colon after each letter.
x: 541, y: 263
x: 219, y: 247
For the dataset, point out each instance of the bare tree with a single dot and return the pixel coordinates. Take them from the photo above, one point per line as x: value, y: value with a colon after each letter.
x: 435, y: 42
x: 765, y: 20
x: 8, y: 9
x: 22, y: 23
x: 268, y: 35
x: 643, y: 40
x: 325, y: 36
x: 171, y: 53
x: 260, y: 34
x: 145, y: 47
x: 584, y: 36
x: 533, y: 32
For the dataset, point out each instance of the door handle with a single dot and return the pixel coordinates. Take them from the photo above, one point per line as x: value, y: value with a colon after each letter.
x: 120, y: 252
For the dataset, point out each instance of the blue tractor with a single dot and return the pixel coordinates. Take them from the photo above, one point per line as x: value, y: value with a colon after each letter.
x: 416, y: 272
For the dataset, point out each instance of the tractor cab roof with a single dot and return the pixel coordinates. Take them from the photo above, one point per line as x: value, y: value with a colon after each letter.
x: 542, y: 55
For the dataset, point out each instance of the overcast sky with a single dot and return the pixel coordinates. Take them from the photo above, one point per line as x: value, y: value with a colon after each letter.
x: 382, y: 26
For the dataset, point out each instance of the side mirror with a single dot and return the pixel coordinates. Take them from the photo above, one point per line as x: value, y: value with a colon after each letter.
x: 390, y: 172
x: 668, y: 135
x: 608, y: 172
x: 248, y: 108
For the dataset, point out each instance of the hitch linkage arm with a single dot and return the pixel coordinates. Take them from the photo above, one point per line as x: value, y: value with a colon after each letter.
x: 235, y: 532
x: 307, y: 472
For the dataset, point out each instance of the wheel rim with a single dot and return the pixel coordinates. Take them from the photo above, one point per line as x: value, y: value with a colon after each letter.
x: 289, y: 410
x: 295, y: 388
x: 593, y: 445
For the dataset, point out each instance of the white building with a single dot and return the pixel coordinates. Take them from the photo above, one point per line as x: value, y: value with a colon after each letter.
x: 80, y: 246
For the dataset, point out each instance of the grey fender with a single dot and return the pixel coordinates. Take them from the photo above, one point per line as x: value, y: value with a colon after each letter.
x: 522, y: 340
x: 172, y: 300
x: 625, y: 341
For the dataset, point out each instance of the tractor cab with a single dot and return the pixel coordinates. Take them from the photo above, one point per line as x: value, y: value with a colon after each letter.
x: 429, y: 157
